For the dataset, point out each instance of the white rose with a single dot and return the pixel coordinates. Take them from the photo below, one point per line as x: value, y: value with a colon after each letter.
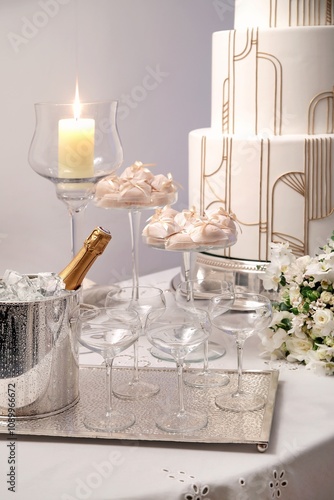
x: 322, y: 317
x: 326, y: 297
x: 298, y: 348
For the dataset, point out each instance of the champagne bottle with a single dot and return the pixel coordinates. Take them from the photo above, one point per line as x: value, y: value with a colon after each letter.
x: 74, y: 273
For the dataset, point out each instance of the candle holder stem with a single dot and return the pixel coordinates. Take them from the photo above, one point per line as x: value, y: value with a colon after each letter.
x: 76, y: 219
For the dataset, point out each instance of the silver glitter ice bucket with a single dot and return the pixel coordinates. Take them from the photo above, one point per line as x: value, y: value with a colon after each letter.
x: 39, y: 368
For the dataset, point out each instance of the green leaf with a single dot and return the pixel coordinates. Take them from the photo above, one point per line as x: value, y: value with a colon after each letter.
x: 285, y: 324
x: 310, y: 293
x: 283, y: 280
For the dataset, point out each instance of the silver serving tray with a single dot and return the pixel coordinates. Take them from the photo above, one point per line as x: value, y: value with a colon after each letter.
x: 223, y: 426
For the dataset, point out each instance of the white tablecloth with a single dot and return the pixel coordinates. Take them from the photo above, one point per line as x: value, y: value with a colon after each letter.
x: 298, y: 464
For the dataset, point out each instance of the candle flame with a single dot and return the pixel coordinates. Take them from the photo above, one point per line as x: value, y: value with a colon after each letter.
x: 76, y: 104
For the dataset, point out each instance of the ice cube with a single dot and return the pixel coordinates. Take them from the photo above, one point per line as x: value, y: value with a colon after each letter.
x: 5, y: 293
x: 49, y: 284
x: 21, y: 287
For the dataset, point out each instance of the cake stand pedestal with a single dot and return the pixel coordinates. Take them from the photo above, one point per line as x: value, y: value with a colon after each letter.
x: 134, y: 209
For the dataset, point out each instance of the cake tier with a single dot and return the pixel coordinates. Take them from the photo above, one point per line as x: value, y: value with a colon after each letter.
x: 283, y: 13
x: 280, y: 188
x: 273, y: 81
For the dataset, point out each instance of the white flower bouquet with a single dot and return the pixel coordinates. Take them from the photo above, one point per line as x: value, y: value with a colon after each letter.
x: 302, y: 329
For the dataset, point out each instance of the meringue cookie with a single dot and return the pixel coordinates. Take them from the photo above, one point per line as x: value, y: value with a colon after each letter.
x: 166, y: 211
x: 136, y: 186
x: 107, y: 200
x: 163, y: 184
x: 108, y: 185
x: 161, y: 229
x: 155, y: 242
x: 207, y: 234
x: 180, y: 241
x: 138, y: 172
x: 138, y: 191
x: 162, y: 224
x: 159, y: 199
x: 186, y: 217
x: 187, y: 230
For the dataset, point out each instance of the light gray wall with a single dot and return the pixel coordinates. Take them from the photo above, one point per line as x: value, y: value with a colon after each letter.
x: 112, y: 45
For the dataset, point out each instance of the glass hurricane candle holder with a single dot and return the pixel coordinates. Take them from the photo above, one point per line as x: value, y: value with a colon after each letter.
x: 75, y: 146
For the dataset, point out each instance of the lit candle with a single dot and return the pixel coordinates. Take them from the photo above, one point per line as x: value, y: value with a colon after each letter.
x: 76, y: 145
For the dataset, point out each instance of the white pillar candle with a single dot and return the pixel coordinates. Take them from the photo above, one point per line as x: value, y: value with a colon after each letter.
x: 76, y: 148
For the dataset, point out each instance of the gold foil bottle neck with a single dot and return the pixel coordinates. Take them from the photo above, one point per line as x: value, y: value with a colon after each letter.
x: 98, y: 240
x: 75, y: 272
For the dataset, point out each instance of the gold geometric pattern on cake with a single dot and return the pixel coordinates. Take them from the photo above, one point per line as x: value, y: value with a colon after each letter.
x: 219, y: 195
x: 321, y: 103
x: 318, y: 171
x: 225, y: 163
x: 302, y: 12
x: 251, y: 49
x: 277, y: 94
x: 273, y: 14
x: 212, y: 193
x: 226, y: 106
x: 296, y: 182
x: 329, y: 12
x: 296, y: 245
x: 274, y: 172
x: 312, y: 182
x: 207, y: 179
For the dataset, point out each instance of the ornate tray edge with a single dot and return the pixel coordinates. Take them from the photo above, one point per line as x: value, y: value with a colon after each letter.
x: 262, y: 443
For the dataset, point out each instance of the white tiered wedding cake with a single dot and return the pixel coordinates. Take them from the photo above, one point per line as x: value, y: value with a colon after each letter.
x: 269, y: 154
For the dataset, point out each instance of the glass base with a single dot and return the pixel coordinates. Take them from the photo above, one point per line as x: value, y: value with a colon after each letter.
x: 239, y: 402
x: 179, y: 422
x: 136, y: 390
x: 115, y: 421
x: 216, y: 351
x: 206, y: 379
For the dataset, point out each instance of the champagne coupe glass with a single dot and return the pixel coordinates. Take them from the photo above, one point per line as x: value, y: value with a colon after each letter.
x: 142, y: 299
x: 108, y: 331
x: 195, y: 295
x: 75, y: 146
x: 177, y: 332
x: 248, y: 313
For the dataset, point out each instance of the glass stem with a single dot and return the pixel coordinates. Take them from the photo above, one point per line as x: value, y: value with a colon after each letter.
x: 108, y: 387
x: 240, y: 345
x: 76, y: 217
x: 188, y: 265
x: 179, y: 366
x: 135, y: 363
x: 206, y: 356
x: 134, y: 218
